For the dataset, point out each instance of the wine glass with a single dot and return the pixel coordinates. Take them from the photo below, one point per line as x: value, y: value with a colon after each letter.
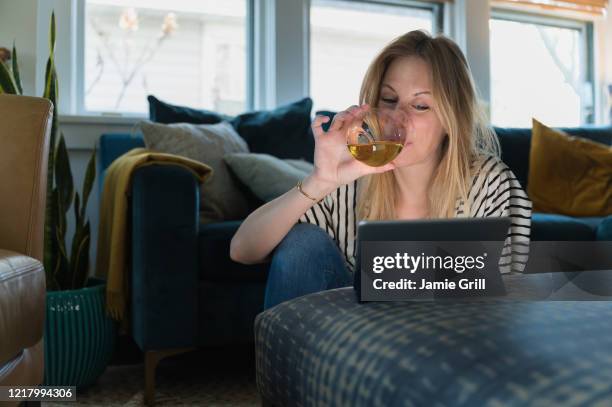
x: 377, y: 136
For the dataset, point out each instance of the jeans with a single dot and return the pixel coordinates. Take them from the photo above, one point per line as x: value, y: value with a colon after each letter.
x: 306, y: 261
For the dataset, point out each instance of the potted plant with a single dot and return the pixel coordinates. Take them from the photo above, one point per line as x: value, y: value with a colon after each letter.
x: 79, y: 335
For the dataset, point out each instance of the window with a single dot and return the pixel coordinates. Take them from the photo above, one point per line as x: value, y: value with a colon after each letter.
x: 540, y: 69
x: 187, y: 52
x: 345, y: 36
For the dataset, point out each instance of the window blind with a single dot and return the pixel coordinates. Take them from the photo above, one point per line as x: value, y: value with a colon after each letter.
x: 593, y: 7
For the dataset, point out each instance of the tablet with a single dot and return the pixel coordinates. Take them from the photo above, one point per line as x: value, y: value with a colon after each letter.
x: 494, y: 229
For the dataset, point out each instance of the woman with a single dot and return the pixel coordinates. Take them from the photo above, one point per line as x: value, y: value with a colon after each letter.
x: 448, y: 168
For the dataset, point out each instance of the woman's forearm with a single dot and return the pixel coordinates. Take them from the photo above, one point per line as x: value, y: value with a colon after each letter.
x: 263, y: 229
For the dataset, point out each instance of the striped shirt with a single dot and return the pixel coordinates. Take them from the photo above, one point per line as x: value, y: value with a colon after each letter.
x: 494, y: 192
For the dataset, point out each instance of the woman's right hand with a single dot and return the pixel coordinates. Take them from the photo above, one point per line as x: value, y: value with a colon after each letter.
x: 333, y: 163
x: 334, y: 166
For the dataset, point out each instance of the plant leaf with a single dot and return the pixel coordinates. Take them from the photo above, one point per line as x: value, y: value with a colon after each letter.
x: 90, y: 176
x: 78, y: 220
x: 76, y: 238
x: 52, y: 33
x: 61, y: 271
x: 51, y: 210
x: 16, y: 70
x: 60, y: 225
x: 81, y: 260
x: 63, y: 176
x: 50, y: 249
x: 7, y: 82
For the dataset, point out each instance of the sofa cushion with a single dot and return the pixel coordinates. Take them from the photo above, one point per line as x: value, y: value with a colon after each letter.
x: 220, y: 198
x: 282, y: 132
x: 162, y: 112
x: 215, y: 263
x: 552, y: 227
x: 266, y: 176
x: 569, y: 175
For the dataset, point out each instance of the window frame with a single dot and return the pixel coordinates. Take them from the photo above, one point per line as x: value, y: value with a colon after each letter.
x: 437, y: 9
x: 586, y: 50
x: 263, y: 81
x: 79, y: 61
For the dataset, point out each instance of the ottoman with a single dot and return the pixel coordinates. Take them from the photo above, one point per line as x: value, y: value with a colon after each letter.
x: 326, y: 349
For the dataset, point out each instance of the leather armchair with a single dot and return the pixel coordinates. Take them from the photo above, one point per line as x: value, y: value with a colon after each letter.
x: 25, y: 126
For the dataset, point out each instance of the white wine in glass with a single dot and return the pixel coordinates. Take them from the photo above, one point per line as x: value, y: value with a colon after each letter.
x: 377, y: 136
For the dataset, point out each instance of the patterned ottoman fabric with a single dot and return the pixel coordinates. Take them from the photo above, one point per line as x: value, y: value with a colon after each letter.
x: 326, y: 349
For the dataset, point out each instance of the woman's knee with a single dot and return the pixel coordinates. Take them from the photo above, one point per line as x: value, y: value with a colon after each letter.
x: 307, y: 260
x: 302, y: 242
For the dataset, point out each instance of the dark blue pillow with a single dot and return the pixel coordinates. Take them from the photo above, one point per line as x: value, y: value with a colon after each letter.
x: 515, y: 145
x: 162, y: 112
x: 283, y: 132
x: 329, y: 114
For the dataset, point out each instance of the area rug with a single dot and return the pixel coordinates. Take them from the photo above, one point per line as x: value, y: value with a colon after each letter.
x: 203, y: 378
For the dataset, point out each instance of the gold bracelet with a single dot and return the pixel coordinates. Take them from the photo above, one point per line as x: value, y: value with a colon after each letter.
x: 299, y: 187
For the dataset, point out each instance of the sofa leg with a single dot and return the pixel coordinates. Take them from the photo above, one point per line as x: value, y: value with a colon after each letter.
x: 152, y: 358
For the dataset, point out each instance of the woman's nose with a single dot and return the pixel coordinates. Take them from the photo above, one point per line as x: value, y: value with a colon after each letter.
x: 403, y: 114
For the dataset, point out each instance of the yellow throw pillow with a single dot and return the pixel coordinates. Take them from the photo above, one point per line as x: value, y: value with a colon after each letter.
x: 569, y: 175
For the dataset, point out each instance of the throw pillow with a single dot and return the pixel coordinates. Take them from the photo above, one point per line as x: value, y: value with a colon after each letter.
x: 569, y: 175
x: 282, y: 132
x: 162, y: 112
x: 266, y: 176
x: 220, y: 198
x: 327, y: 113
x: 301, y: 165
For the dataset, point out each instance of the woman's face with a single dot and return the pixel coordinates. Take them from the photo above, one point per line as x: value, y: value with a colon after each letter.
x: 407, y: 86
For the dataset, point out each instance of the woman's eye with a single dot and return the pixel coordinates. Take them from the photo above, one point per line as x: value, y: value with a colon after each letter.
x: 421, y: 108
x: 387, y: 100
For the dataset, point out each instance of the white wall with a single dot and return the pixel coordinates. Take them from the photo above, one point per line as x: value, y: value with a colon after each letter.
x: 18, y: 20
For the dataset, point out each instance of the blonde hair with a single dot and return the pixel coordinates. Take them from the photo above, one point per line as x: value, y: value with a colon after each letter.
x: 456, y: 104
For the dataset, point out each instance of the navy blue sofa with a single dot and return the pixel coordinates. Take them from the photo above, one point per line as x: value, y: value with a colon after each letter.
x: 186, y: 292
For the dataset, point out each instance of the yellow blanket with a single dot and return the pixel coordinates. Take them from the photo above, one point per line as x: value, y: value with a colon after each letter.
x: 112, y: 255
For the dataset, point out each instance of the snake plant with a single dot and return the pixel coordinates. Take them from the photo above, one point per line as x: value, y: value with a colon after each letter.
x: 64, y: 270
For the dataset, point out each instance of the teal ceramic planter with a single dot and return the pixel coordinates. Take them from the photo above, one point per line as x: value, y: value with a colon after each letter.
x: 79, y: 336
